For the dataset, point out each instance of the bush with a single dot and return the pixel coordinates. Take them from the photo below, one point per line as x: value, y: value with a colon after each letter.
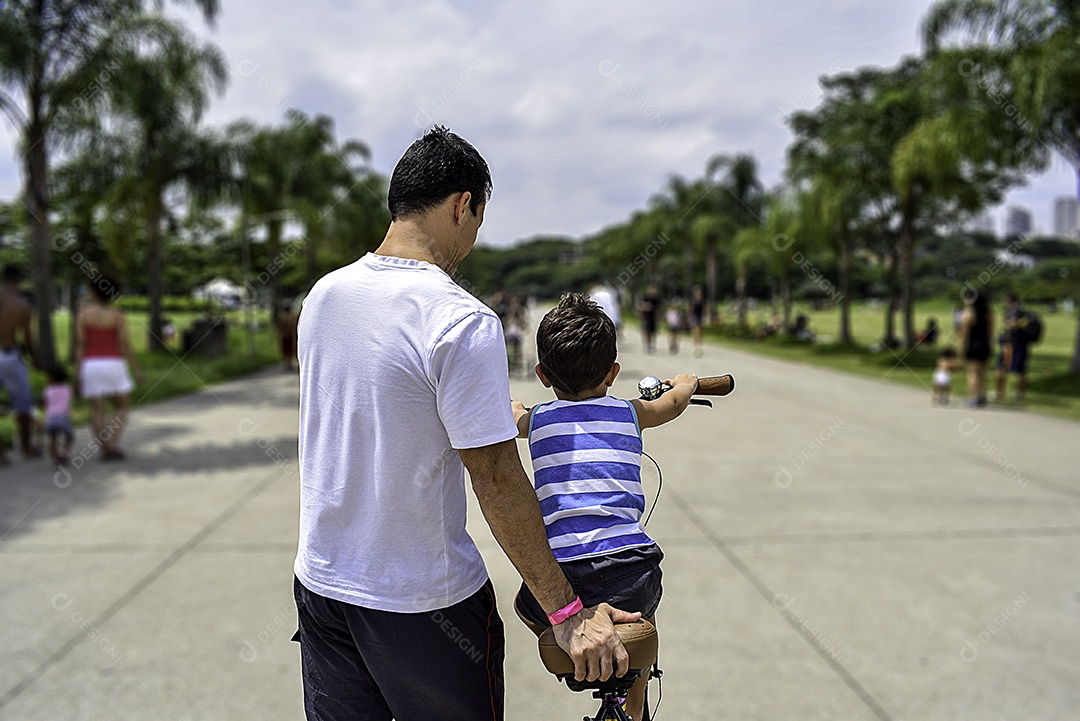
x: 169, y: 304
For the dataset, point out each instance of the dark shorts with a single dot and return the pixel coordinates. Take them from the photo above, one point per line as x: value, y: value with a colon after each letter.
x: 60, y: 425
x: 1019, y: 359
x: 977, y: 351
x: 628, y: 580
x: 363, y: 664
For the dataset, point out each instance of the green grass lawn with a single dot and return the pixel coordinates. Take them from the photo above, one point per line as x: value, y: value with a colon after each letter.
x: 1051, y: 388
x: 170, y: 373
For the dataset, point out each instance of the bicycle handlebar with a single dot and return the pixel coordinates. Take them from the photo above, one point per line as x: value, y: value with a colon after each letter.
x: 651, y: 387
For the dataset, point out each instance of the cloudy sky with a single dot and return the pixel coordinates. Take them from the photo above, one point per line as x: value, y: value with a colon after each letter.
x: 582, y: 110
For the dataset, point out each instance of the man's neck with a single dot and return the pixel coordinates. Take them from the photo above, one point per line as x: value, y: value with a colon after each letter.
x: 408, y: 239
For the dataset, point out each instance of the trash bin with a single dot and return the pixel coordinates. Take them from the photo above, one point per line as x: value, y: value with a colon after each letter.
x: 207, y: 337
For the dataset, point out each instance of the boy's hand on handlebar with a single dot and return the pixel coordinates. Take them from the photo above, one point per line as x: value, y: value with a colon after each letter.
x: 589, y: 638
x: 687, y: 378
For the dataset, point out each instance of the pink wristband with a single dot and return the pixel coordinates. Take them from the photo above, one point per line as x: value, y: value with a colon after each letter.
x: 565, y: 612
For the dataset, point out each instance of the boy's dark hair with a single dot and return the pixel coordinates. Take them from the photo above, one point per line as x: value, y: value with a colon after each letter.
x: 948, y: 353
x: 433, y: 168
x: 575, y: 343
x: 57, y: 373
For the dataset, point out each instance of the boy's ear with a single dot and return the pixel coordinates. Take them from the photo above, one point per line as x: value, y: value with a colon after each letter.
x: 612, y: 374
x: 542, y: 377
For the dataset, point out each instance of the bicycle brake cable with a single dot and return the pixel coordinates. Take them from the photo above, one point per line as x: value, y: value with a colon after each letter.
x: 659, y: 487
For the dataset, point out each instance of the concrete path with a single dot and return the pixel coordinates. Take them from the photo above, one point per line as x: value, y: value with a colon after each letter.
x: 835, y: 549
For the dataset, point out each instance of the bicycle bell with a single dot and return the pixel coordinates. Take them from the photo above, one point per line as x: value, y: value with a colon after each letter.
x: 651, y: 388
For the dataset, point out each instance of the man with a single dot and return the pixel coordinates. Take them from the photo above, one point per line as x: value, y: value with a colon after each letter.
x: 15, y: 319
x: 404, y: 385
x: 1017, y: 340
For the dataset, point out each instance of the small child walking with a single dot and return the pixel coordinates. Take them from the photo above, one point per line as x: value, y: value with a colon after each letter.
x: 57, y: 396
x: 946, y: 364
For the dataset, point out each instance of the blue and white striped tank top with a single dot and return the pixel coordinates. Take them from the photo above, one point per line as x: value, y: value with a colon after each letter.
x: 586, y: 459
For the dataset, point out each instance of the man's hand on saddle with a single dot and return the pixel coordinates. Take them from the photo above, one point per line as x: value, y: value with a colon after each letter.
x: 589, y: 638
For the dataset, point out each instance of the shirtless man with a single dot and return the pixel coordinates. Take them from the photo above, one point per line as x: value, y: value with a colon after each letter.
x: 15, y: 318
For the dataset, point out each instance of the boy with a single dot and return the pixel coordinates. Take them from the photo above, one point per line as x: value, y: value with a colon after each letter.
x: 586, y: 453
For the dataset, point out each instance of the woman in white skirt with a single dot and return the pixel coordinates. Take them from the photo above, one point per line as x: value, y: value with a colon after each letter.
x: 102, y: 345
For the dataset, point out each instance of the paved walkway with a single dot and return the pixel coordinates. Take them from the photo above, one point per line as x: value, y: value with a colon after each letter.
x: 836, y: 549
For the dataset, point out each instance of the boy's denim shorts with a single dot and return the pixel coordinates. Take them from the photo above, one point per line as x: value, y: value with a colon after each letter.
x: 629, y: 580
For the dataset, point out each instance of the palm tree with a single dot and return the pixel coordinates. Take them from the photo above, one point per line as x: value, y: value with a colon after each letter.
x: 740, y: 197
x: 168, y: 78
x: 324, y: 173
x: 1036, y: 43
x: 55, y: 60
x: 79, y: 184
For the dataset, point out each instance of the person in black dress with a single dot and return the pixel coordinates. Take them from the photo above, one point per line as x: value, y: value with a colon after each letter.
x: 976, y: 330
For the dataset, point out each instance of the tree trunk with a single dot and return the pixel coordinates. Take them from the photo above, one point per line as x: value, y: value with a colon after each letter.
x: 785, y: 297
x: 845, y: 285
x: 37, y: 205
x: 890, y: 304
x: 273, y: 267
x: 154, y: 282
x: 1075, y: 368
x: 710, y: 280
x: 312, y: 255
x: 907, y: 273
x: 73, y: 314
x: 688, y: 270
x: 740, y: 295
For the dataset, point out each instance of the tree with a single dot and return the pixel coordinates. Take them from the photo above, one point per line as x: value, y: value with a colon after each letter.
x: 1033, y: 46
x: 79, y: 183
x: 168, y: 78
x: 56, y: 56
x: 741, y: 198
x: 324, y: 174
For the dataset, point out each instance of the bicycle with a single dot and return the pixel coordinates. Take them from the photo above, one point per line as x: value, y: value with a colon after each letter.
x: 639, y: 638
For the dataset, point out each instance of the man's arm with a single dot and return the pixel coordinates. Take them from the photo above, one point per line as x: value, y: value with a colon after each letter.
x: 509, y: 505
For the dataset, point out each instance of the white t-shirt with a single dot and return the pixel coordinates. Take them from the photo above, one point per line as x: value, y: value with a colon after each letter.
x: 399, y: 367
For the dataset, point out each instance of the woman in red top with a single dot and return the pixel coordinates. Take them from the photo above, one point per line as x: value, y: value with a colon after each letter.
x: 102, y: 345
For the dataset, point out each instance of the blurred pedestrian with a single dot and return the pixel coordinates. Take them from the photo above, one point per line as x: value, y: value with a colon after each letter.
x: 15, y: 319
x: 649, y: 309
x: 697, y: 319
x: 286, y: 328
x: 102, y: 346
x: 57, y: 396
x: 675, y: 321
x: 1020, y: 328
x: 946, y: 364
x: 608, y: 299
x: 976, y: 330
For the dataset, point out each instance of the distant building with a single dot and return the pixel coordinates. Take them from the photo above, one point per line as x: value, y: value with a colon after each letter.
x: 1067, y: 217
x: 1018, y: 221
x: 982, y: 224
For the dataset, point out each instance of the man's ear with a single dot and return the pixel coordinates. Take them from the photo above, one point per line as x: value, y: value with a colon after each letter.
x: 612, y: 374
x: 461, y: 207
x: 542, y: 377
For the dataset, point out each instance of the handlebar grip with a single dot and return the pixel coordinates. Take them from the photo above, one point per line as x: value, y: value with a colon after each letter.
x: 715, y: 385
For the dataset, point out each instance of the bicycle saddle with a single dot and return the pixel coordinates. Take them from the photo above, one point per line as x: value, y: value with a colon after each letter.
x: 639, y: 638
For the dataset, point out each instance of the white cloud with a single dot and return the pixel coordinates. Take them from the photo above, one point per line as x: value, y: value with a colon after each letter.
x: 582, y: 109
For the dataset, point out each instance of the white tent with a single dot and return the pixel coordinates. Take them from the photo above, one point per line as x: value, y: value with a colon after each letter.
x: 222, y: 291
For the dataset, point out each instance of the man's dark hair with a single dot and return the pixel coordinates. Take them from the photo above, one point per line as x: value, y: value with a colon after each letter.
x: 12, y: 273
x: 433, y: 168
x: 575, y: 344
x: 1011, y: 298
